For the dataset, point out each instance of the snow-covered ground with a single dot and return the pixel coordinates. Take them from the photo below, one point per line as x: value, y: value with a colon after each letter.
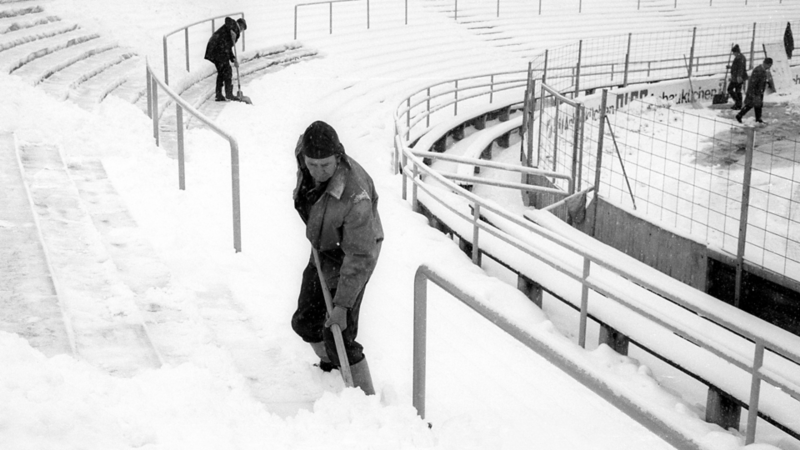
x: 234, y: 375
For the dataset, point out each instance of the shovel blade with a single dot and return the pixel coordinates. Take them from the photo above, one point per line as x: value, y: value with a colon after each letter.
x: 719, y: 99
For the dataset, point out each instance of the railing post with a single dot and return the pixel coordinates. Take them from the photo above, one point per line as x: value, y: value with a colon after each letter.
x: 181, y: 161
x: 541, y: 126
x: 584, y: 303
x: 627, y: 61
x: 578, y: 69
x: 491, y: 89
x: 295, y: 22
x: 456, y: 13
x: 455, y: 104
x: 753, y: 47
x: 476, y: 251
x: 406, y: 12
x: 186, y: 40
x: 408, y: 118
x: 237, y: 215
x: 428, y: 108
x: 414, y: 199
x: 330, y: 17
x: 155, y: 112
x: 755, y: 392
x: 742, y: 243
x: 149, y: 92
x: 599, y: 162
x: 691, y: 52
x: 166, y: 61
x: 368, y: 14
x: 555, y: 134
x: 540, y: 7
x: 420, y: 342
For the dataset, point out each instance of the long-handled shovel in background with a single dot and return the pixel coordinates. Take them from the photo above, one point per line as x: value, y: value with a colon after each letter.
x: 241, y: 97
x: 695, y: 103
x: 344, y: 364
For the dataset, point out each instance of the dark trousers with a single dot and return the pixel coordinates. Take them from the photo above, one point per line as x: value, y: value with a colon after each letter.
x: 747, y: 107
x: 308, y: 320
x: 224, y: 76
x: 735, y: 91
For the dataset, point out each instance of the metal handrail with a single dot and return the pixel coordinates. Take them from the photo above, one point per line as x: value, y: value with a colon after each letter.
x: 547, y: 350
x: 764, y: 337
x: 330, y: 13
x: 153, y: 83
x: 185, y: 29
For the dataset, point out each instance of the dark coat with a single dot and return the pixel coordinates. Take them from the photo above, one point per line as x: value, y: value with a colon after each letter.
x: 342, y: 224
x: 220, y: 46
x: 739, y: 68
x: 788, y: 40
x: 757, y: 85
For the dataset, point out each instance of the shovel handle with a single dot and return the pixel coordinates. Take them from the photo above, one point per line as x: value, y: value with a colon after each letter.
x: 344, y: 364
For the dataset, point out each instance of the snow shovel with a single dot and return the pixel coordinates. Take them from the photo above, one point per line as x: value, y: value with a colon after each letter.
x: 239, y: 96
x: 722, y: 97
x: 695, y: 105
x: 344, y: 364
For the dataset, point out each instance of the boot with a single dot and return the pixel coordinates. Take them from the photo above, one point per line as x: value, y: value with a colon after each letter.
x: 325, y: 363
x: 361, y: 377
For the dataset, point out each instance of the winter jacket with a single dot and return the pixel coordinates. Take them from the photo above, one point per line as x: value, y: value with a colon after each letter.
x: 739, y: 69
x: 342, y: 224
x: 757, y: 86
x: 220, y: 46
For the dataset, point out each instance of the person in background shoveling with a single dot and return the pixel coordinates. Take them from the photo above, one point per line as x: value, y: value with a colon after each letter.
x: 738, y: 77
x: 337, y: 201
x: 219, y: 51
x: 788, y: 40
x: 754, y: 99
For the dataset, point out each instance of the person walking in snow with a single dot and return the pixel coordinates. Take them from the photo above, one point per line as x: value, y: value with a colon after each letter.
x: 219, y: 51
x: 756, y: 86
x: 738, y: 77
x: 788, y: 40
x: 337, y: 201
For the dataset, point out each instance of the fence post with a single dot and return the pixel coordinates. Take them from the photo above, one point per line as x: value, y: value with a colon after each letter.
x: 166, y: 62
x: 237, y: 215
x: 748, y: 172
x: 295, y: 22
x: 627, y: 61
x: 541, y: 122
x: 599, y: 161
x: 368, y: 14
x: 186, y: 41
x: 155, y: 111
x: 456, y: 13
x: 530, y: 122
x: 578, y: 68
x: 575, y: 138
x: 330, y: 17
x: 755, y: 391
x: 476, y: 217
x: 540, y: 7
x: 420, y: 337
x: 455, y: 113
x: 753, y: 46
x: 149, y: 92
x: 406, y: 12
x: 498, y: 8
x: 181, y: 161
x: 555, y: 134
x: 691, y: 51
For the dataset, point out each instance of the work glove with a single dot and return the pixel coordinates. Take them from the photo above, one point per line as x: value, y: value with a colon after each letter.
x: 338, y: 316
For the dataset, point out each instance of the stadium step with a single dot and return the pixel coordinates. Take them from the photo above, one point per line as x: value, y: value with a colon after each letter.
x: 28, y: 294
x: 107, y: 327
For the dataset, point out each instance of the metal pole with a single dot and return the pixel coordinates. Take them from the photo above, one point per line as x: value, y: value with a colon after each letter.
x: 540, y: 7
x: 627, y: 61
x: 186, y: 41
x: 406, y: 12
x: 237, y: 213
x: 541, y: 127
x: 166, y: 62
x: 584, y: 301
x: 155, y: 111
x: 530, y: 122
x: 456, y: 13
x: 555, y: 134
x: 753, y: 46
x: 149, y: 92
x: 691, y: 52
x: 578, y: 68
x: 420, y: 344
x: 330, y: 17
x: 599, y: 162
x: 755, y: 391
x: 181, y: 161
x: 742, y: 244
x: 368, y: 14
x: 476, y: 252
x: 295, y: 22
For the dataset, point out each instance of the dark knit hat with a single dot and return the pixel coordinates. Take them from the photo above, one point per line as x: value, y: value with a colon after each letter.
x: 321, y: 141
x: 242, y: 24
x: 735, y: 48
